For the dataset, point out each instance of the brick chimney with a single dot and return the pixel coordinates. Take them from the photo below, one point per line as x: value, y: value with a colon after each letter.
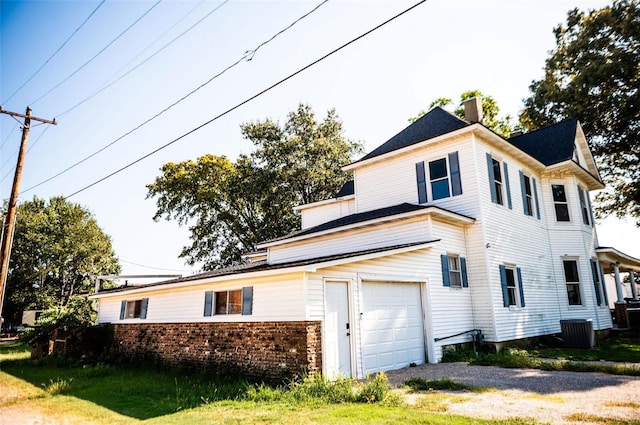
x: 473, y: 110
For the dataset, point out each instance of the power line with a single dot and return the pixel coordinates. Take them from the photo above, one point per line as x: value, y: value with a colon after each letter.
x: 56, y: 52
x: 9, y: 135
x: 97, y: 92
x: 10, y: 172
x: 97, y: 54
x: 153, y: 267
x: 244, y: 57
x: 260, y: 93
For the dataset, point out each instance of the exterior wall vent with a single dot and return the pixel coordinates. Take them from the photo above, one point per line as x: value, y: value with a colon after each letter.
x: 578, y: 333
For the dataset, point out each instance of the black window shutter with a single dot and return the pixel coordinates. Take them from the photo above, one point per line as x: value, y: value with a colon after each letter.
x: 506, y: 182
x: 596, y: 284
x: 247, y: 300
x: 446, y: 280
x: 492, y: 179
x: 503, y: 282
x: 208, y: 303
x: 123, y: 309
x: 463, y: 270
x: 535, y: 196
x: 422, y: 182
x: 143, y: 308
x: 525, y: 204
x: 519, y: 272
x: 454, y: 168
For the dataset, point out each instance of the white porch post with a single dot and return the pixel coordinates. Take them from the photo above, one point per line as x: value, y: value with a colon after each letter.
x: 634, y: 289
x: 616, y: 269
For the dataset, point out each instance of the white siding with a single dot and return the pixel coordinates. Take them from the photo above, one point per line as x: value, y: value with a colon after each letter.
x: 323, y: 213
x: 279, y: 298
x: 379, y: 236
x: 393, y: 181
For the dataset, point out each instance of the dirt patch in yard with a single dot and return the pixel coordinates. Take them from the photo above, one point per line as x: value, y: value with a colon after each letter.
x: 563, y: 398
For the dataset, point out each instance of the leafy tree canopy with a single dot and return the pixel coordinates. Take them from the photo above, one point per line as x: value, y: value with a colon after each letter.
x: 231, y: 206
x: 58, y: 250
x: 490, y: 109
x: 594, y: 74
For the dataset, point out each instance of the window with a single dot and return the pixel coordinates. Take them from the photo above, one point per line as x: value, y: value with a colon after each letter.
x: 454, y: 271
x: 572, y: 278
x: 439, y: 179
x: 527, y: 195
x: 601, y: 292
x: 560, y: 202
x: 228, y: 302
x: 134, y: 309
x: 584, y: 207
x: 496, y: 181
x: 444, y: 178
x: 512, y: 291
x: 238, y: 301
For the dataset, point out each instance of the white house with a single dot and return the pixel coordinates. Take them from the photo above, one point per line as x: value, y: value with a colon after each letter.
x: 445, y: 229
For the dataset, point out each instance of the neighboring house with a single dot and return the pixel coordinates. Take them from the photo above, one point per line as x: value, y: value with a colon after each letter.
x: 445, y: 229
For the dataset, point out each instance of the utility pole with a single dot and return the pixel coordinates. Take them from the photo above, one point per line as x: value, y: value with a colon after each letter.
x: 8, y: 224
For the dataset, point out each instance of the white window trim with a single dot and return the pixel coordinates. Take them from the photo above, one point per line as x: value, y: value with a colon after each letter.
x: 583, y: 303
x: 427, y: 172
x: 553, y: 201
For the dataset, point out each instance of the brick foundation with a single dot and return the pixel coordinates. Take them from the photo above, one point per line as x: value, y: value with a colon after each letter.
x: 270, y: 351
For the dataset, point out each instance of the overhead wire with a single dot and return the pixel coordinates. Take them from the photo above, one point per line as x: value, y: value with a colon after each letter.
x: 97, y: 92
x: 153, y: 267
x: 9, y: 135
x: 26, y: 153
x: 99, y: 53
x: 56, y: 52
x: 249, y: 99
x: 244, y: 57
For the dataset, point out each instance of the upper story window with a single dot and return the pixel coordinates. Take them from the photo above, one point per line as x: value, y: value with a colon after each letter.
x: 584, y: 206
x: 572, y: 279
x: 560, y: 202
x: 498, y: 181
x: 529, y: 195
x: 443, y: 177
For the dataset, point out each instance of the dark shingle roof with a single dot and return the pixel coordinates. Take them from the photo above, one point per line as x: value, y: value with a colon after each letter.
x: 549, y: 145
x: 346, y: 189
x: 435, y: 123
x: 262, y: 265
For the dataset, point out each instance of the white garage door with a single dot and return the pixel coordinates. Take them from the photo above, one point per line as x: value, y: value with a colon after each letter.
x: 392, y: 326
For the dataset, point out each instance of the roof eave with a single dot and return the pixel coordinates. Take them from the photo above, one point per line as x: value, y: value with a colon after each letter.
x: 612, y: 255
x: 438, y: 212
x: 572, y: 167
x: 323, y: 202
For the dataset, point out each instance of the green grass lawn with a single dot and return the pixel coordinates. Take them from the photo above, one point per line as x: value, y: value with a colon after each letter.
x: 611, y: 349
x: 100, y: 394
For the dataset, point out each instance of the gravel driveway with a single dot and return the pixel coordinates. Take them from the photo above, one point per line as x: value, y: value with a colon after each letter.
x: 546, y: 396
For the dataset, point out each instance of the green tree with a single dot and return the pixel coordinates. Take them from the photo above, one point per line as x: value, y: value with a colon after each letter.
x: 231, y: 206
x: 594, y: 74
x: 490, y: 109
x: 58, y: 250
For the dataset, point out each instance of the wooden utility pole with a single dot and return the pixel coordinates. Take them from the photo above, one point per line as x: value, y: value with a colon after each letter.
x: 8, y: 223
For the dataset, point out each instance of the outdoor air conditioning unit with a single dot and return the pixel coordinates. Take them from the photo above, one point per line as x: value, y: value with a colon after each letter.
x: 578, y: 333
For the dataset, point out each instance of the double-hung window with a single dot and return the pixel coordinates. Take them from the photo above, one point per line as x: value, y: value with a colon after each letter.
x: 584, y: 206
x: 443, y: 178
x: 454, y: 271
x: 229, y: 302
x: 527, y: 195
x: 511, y: 281
x: 572, y: 279
x: 498, y: 181
x: 560, y: 202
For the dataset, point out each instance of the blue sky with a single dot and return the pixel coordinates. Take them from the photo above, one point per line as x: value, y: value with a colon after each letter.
x: 441, y: 48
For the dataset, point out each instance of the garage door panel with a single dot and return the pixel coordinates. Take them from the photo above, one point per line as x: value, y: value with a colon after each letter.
x: 392, y: 326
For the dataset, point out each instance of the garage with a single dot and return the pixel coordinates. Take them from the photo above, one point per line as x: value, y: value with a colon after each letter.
x: 392, y: 326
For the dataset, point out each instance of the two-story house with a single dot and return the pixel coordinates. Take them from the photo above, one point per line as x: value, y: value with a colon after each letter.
x: 445, y: 229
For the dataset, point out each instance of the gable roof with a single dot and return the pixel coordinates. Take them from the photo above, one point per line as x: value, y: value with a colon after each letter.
x: 260, y: 266
x: 550, y: 145
x: 434, y: 123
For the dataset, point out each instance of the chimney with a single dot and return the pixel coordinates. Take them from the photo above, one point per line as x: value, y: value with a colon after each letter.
x: 473, y: 110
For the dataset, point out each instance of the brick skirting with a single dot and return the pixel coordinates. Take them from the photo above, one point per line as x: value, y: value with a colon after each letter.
x: 258, y: 351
